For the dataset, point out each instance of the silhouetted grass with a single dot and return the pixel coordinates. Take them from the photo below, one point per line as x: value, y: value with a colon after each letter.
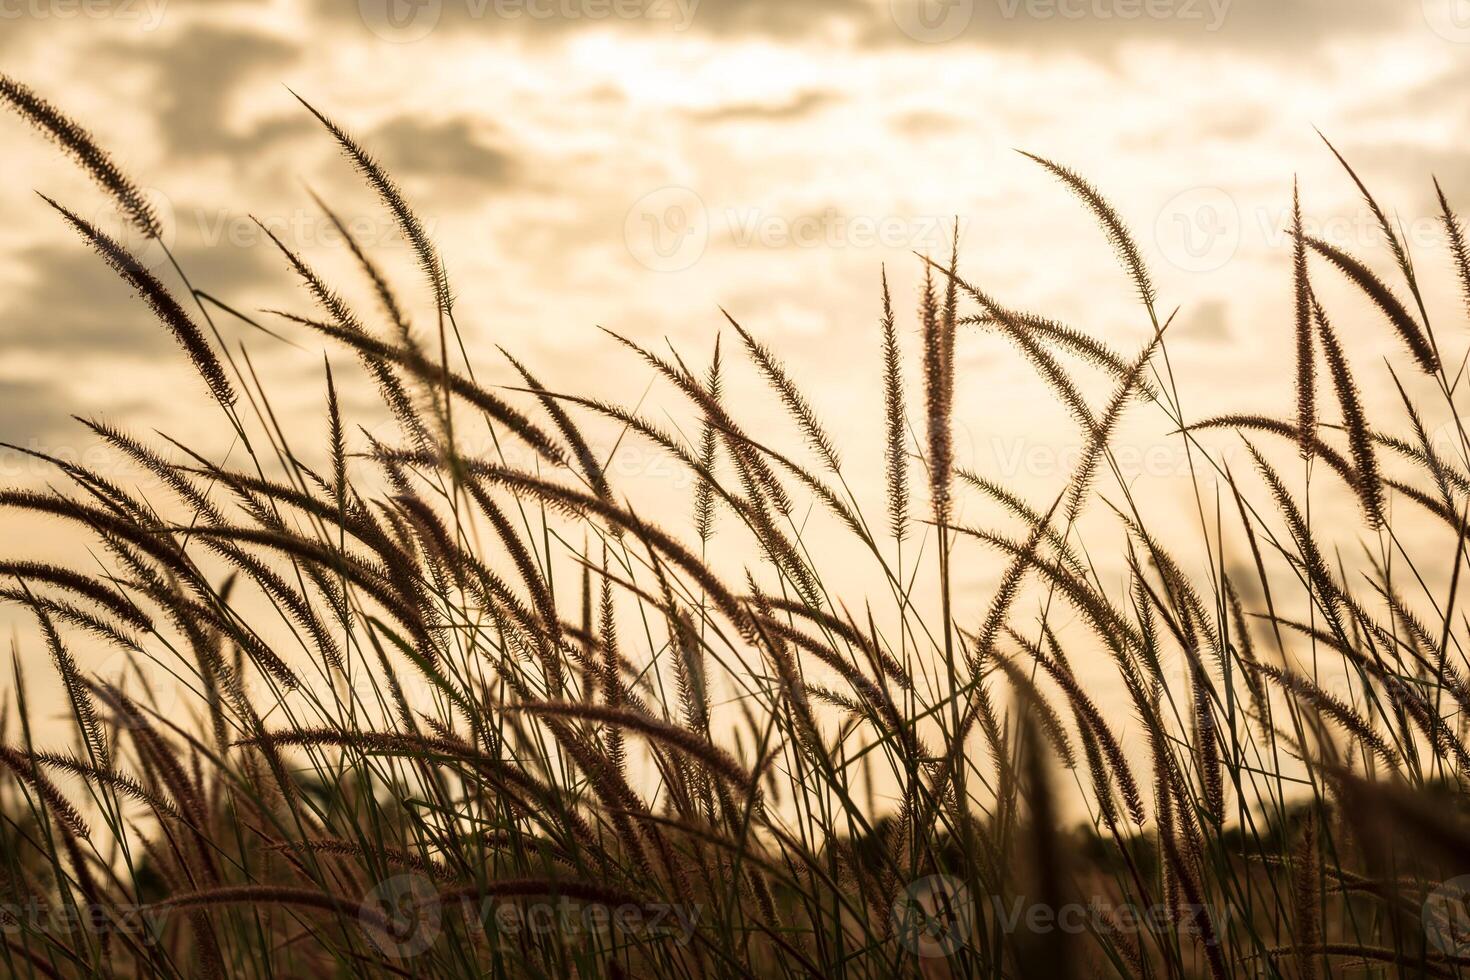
x: 466, y: 713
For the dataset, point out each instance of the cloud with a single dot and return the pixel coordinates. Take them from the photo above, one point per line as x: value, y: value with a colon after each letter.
x: 448, y: 148
x: 1208, y: 322
x: 33, y: 413
x: 798, y: 106
x: 197, y: 77
x: 1094, y: 27
x: 1099, y: 27
x: 777, y: 18
x: 73, y: 304
x: 415, y: 21
x: 925, y: 122
x: 40, y: 415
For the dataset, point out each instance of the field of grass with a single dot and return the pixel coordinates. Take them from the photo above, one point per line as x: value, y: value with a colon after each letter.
x: 442, y: 713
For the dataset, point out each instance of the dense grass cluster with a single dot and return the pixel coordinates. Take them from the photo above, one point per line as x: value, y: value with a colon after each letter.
x: 439, y: 712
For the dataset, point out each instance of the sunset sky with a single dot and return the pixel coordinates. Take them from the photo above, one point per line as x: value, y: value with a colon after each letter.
x: 639, y: 166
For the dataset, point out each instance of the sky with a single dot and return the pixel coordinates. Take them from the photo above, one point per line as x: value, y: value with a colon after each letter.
x: 643, y: 165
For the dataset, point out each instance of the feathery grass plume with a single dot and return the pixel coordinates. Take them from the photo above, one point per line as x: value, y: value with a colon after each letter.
x: 873, y: 694
x: 1365, y: 461
x: 1113, y: 226
x: 297, y: 603
x: 1459, y: 251
x: 1013, y: 503
x: 1245, y: 649
x: 387, y: 299
x: 1306, y: 366
x: 262, y: 895
x: 1318, y: 573
x: 1377, y: 290
x: 796, y: 404
x: 575, y: 503
x: 1340, y: 463
x: 392, y: 856
x: 1423, y: 451
x: 1005, y: 592
x: 1335, y: 708
x: 1048, y: 719
x: 1206, y: 734
x: 60, y: 808
x: 1400, y: 255
x: 392, y: 197
x: 1088, y: 348
x: 541, y: 596
x: 828, y: 496
x: 937, y: 364
x: 690, y: 671
x: 734, y: 437
x: 949, y: 316
x: 465, y: 388
x: 715, y: 759
x: 109, y: 776
x: 895, y: 415
x: 1098, y: 429
x: 1055, y: 376
x: 586, y: 458
x: 1106, y: 620
x: 880, y: 659
x: 160, y: 301
x: 83, y: 710
x: 81, y: 147
x: 114, y: 601
x: 376, y: 362
x: 1093, y: 727
x: 612, y: 685
x: 704, y: 491
x: 337, y: 442
x: 68, y: 612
